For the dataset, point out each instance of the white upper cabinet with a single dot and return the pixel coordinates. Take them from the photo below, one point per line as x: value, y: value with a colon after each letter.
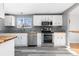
x: 1, y: 10
x: 9, y: 20
x: 47, y: 18
x: 43, y: 18
x: 57, y: 20
x: 37, y: 20
x: 50, y: 18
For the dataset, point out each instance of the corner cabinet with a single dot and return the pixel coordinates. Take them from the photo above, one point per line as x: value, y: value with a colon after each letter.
x: 9, y: 21
x: 57, y: 20
x: 59, y: 39
x: 1, y: 10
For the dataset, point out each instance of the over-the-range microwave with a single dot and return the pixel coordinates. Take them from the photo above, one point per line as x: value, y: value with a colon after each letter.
x: 46, y: 23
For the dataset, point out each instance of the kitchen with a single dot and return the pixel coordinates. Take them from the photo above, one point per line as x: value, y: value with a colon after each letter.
x: 42, y: 25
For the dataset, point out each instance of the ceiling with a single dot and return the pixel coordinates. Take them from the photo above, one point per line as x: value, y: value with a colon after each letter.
x: 75, y: 10
x: 36, y: 8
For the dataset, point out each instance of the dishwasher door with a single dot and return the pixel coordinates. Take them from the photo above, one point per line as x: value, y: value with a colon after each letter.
x: 32, y: 39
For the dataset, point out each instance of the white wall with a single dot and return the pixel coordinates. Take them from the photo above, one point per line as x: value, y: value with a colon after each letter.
x: 74, y: 22
x: 64, y: 17
x: 73, y: 16
x: 73, y: 37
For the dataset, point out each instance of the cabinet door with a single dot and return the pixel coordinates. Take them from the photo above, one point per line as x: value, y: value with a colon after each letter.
x: 1, y: 10
x: 63, y: 40
x: 9, y: 21
x: 57, y: 20
x: 24, y: 40
x: 21, y: 40
x: 13, y: 21
x: 59, y: 40
x: 43, y: 18
x: 56, y: 41
x: 39, y: 39
x: 18, y: 40
x: 51, y: 18
x: 37, y: 20
x: 47, y: 18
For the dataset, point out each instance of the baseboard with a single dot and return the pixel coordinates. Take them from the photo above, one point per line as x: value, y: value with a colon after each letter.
x: 32, y: 45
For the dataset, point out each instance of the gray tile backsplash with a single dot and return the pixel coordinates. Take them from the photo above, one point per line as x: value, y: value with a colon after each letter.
x: 10, y: 29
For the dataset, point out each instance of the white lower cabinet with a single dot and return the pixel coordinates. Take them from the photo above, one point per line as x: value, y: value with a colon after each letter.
x: 39, y: 39
x: 22, y: 39
x: 59, y: 39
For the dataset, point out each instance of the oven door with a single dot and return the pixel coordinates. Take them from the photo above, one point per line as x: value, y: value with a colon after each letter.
x: 47, y: 38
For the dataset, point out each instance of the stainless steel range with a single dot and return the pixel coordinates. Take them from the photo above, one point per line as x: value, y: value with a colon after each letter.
x: 47, y: 30
x: 47, y: 38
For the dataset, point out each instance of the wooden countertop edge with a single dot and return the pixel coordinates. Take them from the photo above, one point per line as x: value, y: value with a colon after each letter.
x: 74, y: 31
x: 8, y: 39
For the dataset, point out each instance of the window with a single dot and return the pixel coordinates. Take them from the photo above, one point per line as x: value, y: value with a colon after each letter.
x: 23, y: 22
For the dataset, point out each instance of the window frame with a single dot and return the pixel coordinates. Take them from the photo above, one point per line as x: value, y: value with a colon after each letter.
x: 23, y: 21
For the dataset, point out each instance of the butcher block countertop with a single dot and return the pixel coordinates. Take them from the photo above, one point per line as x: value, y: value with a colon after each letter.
x: 74, y: 31
x: 4, y: 38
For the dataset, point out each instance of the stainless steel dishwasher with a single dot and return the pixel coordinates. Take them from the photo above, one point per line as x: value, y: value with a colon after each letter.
x: 32, y: 39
